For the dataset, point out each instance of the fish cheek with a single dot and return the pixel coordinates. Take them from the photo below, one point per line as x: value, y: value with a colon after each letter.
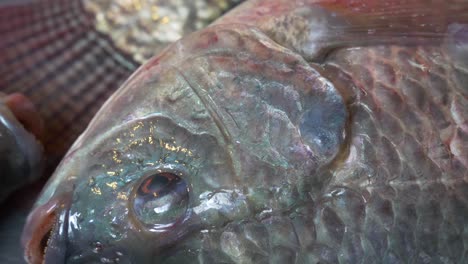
x: 97, y: 220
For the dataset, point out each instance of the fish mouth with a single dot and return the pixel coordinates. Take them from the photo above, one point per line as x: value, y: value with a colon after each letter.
x: 44, y: 235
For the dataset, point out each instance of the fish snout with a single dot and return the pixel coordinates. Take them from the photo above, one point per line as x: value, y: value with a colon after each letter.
x: 44, y: 235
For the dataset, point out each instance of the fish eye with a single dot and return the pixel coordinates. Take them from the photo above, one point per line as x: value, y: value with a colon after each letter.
x: 161, y: 200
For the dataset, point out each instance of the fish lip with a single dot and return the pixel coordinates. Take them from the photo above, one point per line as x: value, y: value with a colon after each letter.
x: 49, y: 221
x: 56, y: 250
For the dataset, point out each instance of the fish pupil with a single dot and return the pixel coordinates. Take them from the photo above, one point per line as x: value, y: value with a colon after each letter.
x: 159, y: 184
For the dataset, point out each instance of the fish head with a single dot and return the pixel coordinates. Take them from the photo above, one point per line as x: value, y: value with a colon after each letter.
x: 233, y: 145
x: 225, y: 129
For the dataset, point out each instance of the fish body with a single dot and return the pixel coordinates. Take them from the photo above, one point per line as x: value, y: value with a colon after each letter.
x: 303, y: 131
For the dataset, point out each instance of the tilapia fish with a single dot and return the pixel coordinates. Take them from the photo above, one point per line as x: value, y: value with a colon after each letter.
x: 286, y: 132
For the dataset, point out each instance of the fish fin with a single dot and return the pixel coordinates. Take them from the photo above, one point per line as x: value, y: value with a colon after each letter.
x: 312, y: 28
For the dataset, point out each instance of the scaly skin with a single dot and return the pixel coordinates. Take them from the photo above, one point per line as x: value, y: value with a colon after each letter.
x: 249, y: 142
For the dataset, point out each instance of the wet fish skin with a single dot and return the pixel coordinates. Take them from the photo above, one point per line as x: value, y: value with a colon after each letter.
x: 351, y: 154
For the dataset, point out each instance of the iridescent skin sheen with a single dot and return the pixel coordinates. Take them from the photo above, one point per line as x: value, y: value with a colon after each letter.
x: 302, y: 132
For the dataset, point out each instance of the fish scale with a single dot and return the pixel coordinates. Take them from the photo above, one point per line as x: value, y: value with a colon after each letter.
x: 418, y: 141
x: 414, y: 109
